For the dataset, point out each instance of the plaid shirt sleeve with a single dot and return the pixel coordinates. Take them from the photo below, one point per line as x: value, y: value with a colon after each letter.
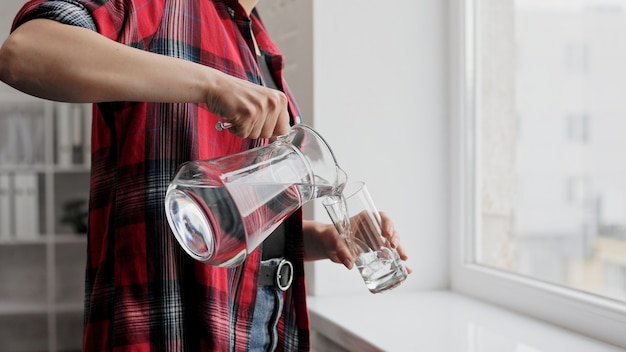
x: 64, y: 11
x: 143, y: 293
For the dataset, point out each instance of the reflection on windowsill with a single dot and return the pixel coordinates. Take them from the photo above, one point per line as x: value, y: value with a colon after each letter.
x: 481, y: 339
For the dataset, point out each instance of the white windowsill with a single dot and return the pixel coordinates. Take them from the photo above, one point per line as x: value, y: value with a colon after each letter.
x: 440, y: 321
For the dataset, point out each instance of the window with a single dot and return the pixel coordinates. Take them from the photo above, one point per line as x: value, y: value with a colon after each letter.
x: 539, y: 172
x: 577, y: 128
x: 575, y: 53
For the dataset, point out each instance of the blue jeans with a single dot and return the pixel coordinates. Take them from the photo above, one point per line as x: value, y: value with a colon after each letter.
x: 267, y: 312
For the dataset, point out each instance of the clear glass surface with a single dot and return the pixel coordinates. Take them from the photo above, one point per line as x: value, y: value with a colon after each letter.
x: 222, y: 209
x: 356, y: 219
x: 549, y: 122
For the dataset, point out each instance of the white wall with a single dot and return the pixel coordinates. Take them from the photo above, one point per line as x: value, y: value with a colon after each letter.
x: 373, y: 83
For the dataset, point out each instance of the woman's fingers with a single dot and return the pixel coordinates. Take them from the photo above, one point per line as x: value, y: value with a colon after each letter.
x: 254, y: 111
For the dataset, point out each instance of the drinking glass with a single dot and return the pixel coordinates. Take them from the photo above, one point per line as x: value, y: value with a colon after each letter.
x: 358, y: 222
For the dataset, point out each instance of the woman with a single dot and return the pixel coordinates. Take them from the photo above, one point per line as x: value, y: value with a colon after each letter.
x: 162, y: 73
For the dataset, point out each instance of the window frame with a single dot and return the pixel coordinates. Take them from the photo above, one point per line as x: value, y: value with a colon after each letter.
x: 594, y: 316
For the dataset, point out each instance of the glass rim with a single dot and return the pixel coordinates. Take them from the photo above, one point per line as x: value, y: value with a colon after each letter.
x: 350, y: 189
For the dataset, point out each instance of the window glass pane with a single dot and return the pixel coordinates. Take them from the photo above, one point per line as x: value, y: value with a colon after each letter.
x: 551, y: 133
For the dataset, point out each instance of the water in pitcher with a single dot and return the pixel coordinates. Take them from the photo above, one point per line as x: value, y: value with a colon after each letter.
x: 241, y: 215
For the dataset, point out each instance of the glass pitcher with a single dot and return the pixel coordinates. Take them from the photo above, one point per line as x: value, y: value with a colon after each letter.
x: 221, y: 209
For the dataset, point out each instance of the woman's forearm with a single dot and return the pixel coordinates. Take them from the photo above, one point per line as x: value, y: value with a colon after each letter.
x: 60, y: 62
x: 312, y: 250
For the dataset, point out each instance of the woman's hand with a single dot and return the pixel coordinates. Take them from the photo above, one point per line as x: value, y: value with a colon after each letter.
x: 390, y: 233
x: 322, y: 241
x: 254, y: 111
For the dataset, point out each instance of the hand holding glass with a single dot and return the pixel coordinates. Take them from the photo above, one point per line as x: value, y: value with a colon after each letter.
x: 356, y: 219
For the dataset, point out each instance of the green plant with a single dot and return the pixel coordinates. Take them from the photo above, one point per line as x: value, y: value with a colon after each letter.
x: 75, y: 214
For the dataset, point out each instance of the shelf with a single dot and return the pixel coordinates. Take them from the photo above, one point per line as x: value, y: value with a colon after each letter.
x: 24, y: 332
x: 67, y: 327
x: 44, y: 168
x: 34, y: 168
x: 78, y: 169
x: 44, y: 190
x: 44, y: 239
x: 80, y: 239
x: 10, y: 240
x: 23, y: 274
x: 70, y: 263
x: 18, y: 308
x: 69, y: 308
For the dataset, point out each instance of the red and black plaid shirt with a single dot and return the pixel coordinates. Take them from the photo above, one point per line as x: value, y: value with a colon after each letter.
x: 143, y: 292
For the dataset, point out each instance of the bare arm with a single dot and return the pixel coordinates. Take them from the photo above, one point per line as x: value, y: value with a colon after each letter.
x: 66, y: 63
